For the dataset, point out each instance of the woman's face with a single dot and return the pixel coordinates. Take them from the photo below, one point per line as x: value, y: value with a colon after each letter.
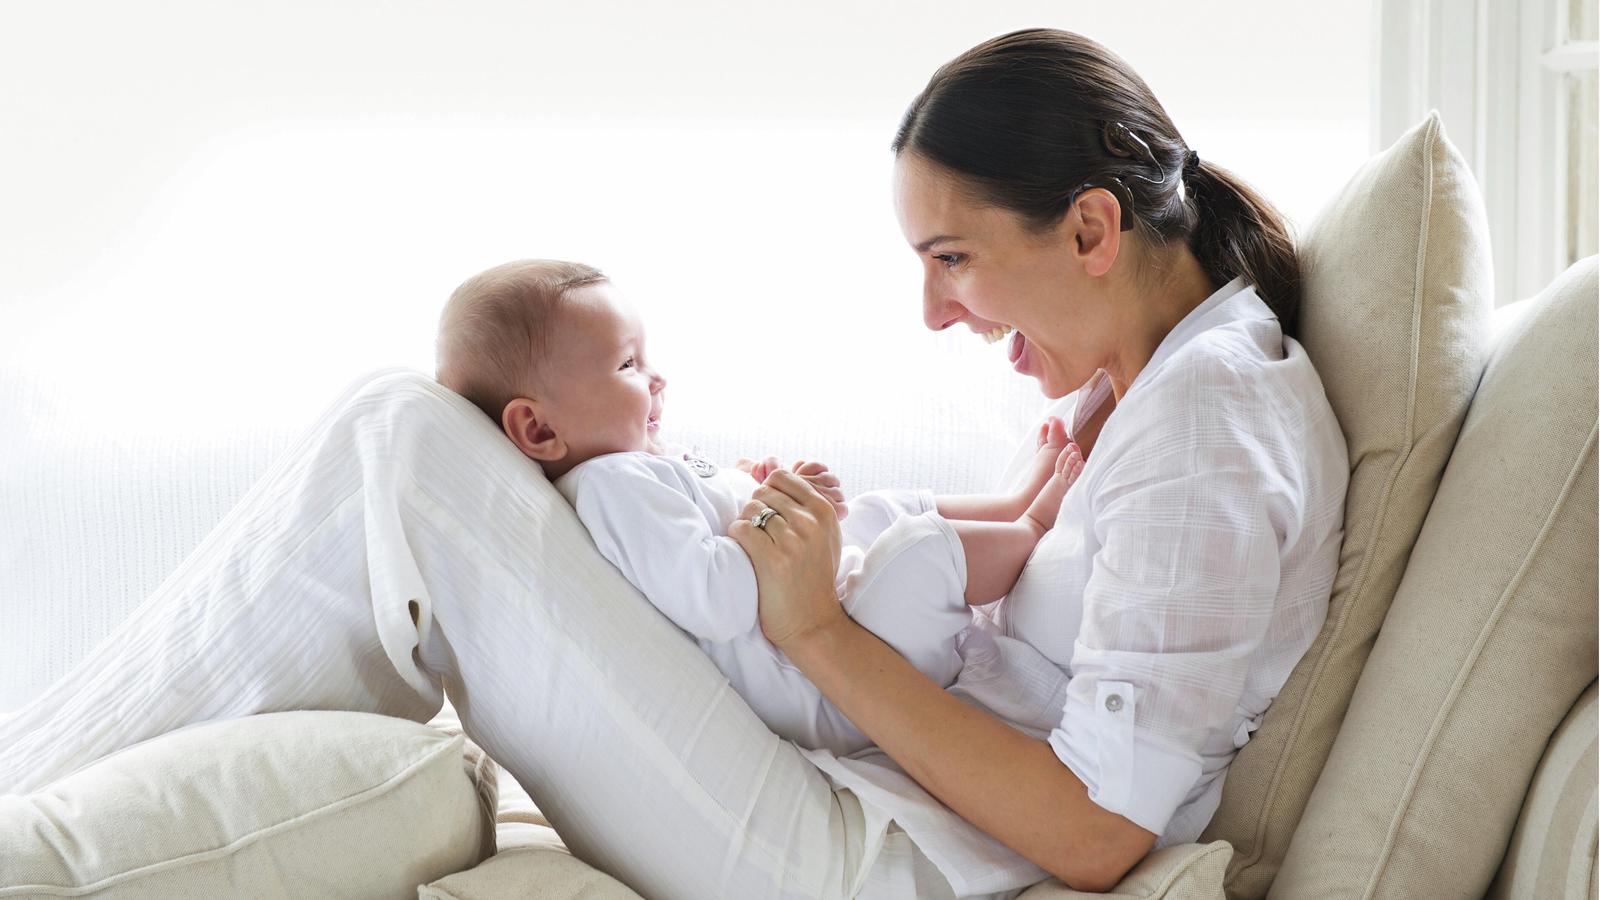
x: 982, y: 267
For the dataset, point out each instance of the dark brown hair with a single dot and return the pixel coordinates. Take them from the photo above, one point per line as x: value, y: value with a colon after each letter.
x: 495, y: 329
x: 1028, y: 118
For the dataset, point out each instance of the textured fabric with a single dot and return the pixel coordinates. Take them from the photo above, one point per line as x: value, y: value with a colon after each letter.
x: 1396, y: 299
x: 1423, y: 786
x: 528, y: 873
x: 92, y: 521
x: 1179, y: 872
x: 291, y: 804
x: 1552, y: 853
x: 663, y: 523
x: 402, y: 543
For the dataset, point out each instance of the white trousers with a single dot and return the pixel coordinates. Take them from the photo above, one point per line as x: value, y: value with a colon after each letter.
x: 387, y: 555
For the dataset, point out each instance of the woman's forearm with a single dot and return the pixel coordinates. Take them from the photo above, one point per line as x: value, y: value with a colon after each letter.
x: 1007, y: 784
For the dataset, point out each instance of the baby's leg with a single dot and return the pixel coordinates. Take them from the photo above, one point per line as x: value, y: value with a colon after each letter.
x: 908, y: 592
x: 996, y: 551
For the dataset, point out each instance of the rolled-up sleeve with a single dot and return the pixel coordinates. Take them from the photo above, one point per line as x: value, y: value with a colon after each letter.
x: 1180, y: 594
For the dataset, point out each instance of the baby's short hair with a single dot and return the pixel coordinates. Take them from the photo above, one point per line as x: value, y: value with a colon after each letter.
x: 495, y: 329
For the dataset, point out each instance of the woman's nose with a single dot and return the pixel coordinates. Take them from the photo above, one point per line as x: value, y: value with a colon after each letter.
x: 938, y: 310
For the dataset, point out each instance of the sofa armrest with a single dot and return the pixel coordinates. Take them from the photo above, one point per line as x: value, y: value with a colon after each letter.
x: 1179, y: 872
x: 1552, y: 850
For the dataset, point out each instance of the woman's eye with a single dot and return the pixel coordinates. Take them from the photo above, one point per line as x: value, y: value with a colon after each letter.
x: 949, y: 259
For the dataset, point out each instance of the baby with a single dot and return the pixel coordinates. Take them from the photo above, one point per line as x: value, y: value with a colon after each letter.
x: 553, y: 353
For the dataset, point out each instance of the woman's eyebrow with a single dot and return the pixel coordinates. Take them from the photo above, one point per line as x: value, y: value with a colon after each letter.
x: 939, y: 239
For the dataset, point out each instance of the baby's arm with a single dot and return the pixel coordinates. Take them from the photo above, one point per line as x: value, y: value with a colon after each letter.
x: 1012, y: 506
x: 657, y: 537
x: 997, y: 551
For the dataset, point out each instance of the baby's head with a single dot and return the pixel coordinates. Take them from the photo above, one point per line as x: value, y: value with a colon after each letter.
x: 552, y: 352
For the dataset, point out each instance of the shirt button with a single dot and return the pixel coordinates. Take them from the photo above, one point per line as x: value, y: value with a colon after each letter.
x: 1114, y: 702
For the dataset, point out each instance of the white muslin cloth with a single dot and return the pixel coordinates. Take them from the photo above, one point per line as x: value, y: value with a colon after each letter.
x: 401, y: 546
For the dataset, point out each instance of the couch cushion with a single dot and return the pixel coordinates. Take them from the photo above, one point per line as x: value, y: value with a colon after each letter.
x: 1178, y: 872
x: 289, y: 804
x: 1397, y: 296
x: 1491, y: 637
x: 1552, y: 851
x: 529, y: 872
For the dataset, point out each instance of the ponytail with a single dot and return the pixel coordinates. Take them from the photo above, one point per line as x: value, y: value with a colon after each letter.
x: 1237, y: 232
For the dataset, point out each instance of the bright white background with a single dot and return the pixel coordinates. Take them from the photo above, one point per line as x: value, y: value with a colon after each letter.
x: 212, y: 215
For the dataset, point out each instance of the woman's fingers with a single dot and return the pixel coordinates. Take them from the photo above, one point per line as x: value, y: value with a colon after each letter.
x: 792, y: 495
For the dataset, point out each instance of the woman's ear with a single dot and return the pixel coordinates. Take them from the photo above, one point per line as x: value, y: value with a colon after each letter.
x: 1099, y: 233
x: 525, y: 423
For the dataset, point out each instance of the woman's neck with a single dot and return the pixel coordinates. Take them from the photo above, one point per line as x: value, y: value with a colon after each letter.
x: 1154, y: 310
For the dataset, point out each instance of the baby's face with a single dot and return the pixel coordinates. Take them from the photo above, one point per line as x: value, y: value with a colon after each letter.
x: 602, y: 394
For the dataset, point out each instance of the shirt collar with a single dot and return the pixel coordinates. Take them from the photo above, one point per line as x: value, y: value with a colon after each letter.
x: 1234, y: 301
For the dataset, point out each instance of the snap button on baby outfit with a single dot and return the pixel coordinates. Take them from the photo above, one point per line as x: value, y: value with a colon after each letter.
x: 1114, y: 702
x: 703, y: 467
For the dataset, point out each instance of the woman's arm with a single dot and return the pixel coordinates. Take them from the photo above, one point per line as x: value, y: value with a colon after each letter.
x: 1007, y: 784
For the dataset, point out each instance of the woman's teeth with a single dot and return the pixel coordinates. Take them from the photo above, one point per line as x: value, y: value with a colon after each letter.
x: 998, y: 333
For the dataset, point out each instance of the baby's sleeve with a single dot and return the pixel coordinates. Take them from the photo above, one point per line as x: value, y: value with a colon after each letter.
x: 653, y: 532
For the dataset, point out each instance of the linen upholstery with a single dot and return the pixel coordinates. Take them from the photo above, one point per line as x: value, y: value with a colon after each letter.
x: 1178, y: 872
x: 289, y: 804
x: 1552, y: 851
x: 1491, y: 637
x: 1396, y: 300
x: 530, y: 872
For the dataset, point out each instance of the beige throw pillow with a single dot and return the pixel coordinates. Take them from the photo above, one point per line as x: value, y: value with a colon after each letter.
x: 1491, y: 637
x: 287, y: 804
x: 1397, y: 297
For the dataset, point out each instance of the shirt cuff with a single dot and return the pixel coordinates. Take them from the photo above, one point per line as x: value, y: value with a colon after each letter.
x: 1124, y: 770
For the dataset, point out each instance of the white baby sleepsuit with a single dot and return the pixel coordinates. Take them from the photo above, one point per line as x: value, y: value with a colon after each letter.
x: 663, y: 520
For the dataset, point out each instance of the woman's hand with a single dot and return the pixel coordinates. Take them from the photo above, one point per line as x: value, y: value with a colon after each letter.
x: 795, y: 555
x: 826, y: 483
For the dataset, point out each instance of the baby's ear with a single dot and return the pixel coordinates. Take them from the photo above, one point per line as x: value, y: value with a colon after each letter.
x: 523, y: 422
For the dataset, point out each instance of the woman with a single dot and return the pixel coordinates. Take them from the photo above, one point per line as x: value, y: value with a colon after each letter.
x: 1046, y: 191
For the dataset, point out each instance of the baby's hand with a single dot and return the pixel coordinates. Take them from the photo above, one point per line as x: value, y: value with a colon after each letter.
x: 826, y: 483
x: 817, y: 474
x: 758, y: 470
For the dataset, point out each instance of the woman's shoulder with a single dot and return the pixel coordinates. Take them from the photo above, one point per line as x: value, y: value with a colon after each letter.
x: 1239, y: 383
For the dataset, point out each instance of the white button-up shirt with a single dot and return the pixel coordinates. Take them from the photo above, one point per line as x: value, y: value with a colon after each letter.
x: 1188, y: 571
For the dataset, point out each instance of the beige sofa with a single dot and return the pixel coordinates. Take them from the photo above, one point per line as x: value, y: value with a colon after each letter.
x: 1438, y: 740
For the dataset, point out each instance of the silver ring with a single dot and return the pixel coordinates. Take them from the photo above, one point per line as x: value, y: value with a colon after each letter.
x: 759, y: 520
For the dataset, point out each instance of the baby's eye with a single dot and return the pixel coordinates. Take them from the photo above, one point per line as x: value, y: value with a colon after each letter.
x: 950, y: 260
x: 626, y: 365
